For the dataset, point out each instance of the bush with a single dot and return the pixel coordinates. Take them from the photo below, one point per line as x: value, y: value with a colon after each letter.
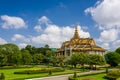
x: 15, y: 67
x: 88, y: 79
x: 113, y: 74
x: 72, y: 78
x: 50, y: 72
x: 2, y: 76
x: 75, y: 75
x: 40, y: 71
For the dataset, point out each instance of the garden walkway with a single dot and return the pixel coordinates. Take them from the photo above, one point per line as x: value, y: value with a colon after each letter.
x: 65, y: 77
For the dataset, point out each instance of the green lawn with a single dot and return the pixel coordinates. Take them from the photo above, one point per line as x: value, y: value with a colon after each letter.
x: 9, y: 73
x: 95, y: 77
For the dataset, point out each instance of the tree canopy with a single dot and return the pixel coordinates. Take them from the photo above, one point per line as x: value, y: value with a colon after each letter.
x: 113, y: 58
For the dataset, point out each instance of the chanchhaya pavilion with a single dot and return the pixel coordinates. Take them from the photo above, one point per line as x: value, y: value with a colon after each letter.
x: 82, y: 45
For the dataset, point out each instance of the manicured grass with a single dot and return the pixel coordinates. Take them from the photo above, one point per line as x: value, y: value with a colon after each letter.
x: 9, y: 73
x: 95, y: 77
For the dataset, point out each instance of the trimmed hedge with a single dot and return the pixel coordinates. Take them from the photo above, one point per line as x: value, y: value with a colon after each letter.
x: 40, y: 71
x: 15, y: 67
x: 113, y: 74
x: 2, y: 76
x: 88, y: 79
x: 72, y: 78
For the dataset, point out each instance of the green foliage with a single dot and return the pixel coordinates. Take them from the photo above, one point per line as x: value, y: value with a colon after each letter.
x: 75, y: 75
x: 60, y: 60
x: 10, y: 53
x: 50, y: 72
x: 113, y: 74
x: 84, y: 58
x: 32, y: 50
x: 113, y: 58
x: 26, y: 57
x: 15, y: 67
x: 106, y: 70
x: 40, y: 71
x: 2, y: 76
x: 88, y: 79
x: 3, y: 59
x: 96, y: 59
x: 74, y: 60
x: 118, y: 50
x: 72, y: 78
x: 37, y: 58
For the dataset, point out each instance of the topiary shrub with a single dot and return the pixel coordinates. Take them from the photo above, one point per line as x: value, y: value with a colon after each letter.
x: 50, y: 72
x: 113, y: 75
x: 75, y: 75
x: 72, y: 78
x: 44, y: 70
x: 88, y: 79
x: 2, y: 76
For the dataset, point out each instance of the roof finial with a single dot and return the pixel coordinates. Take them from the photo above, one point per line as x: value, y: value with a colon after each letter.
x: 76, y: 34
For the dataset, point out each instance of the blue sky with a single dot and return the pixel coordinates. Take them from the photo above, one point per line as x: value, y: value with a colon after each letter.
x: 40, y: 22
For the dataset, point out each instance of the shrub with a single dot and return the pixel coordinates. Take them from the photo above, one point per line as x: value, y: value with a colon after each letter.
x: 40, y: 71
x: 106, y: 70
x: 88, y: 79
x: 75, y: 75
x: 15, y: 67
x: 50, y: 72
x: 2, y: 76
x: 113, y: 74
x: 72, y: 78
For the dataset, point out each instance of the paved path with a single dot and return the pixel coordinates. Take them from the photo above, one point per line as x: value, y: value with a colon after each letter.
x: 65, y: 77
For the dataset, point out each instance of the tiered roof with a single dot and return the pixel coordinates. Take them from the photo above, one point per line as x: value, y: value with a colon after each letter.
x: 80, y: 44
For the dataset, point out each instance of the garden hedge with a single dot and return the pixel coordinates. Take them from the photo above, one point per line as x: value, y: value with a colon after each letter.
x: 40, y: 71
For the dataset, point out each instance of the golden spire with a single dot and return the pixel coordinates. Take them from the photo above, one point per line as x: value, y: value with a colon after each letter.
x: 76, y: 34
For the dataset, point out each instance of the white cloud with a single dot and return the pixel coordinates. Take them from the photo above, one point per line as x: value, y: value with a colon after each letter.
x: 38, y: 28
x: 22, y: 45
x: 44, y: 19
x: 105, y: 45
x: 109, y: 35
x: 12, y: 22
x: 116, y: 44
x: 54, y: 35
x: 106, y: 13
x: 2, y: 41
x: 20, y: 37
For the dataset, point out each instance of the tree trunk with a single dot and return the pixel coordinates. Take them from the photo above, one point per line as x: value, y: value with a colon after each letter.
x: 75, y: 66
x: 83, y: 67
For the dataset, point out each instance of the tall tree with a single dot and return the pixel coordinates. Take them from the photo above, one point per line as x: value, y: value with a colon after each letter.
x: 48, y: 57
x: 32, y: 50
x: 82, y: 59
x: 95, y: 59
x: 3, y: 59
x: 26, y: 57
x: 38, y: 58
x: 113, y: 58
x: 12, y: 53
x: 74, y: 60
x: 118, y: 50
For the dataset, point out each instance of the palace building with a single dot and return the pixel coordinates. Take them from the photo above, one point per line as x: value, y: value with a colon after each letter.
x: 82, y: 45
